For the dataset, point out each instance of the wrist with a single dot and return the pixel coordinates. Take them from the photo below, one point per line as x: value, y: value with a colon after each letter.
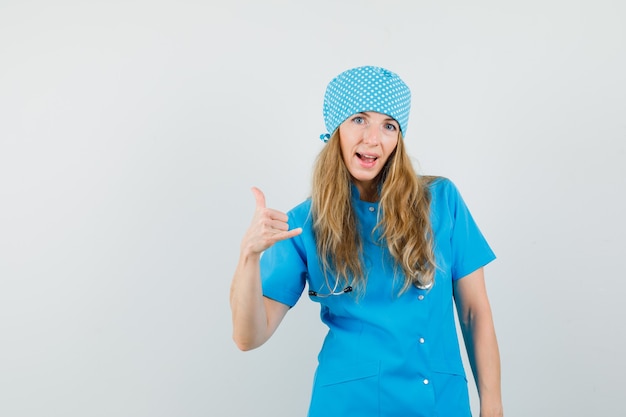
x: 491, y: 409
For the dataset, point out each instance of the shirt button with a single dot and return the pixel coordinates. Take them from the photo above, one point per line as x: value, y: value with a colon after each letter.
x: 420, y: 297
x: 426, y: 382
x: 372, y: 209
x: 422, y: 340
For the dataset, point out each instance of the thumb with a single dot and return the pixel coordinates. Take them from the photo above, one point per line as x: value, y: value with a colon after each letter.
x: 259, y: 197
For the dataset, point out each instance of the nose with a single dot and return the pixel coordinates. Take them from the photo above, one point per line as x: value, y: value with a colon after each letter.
x: 371, y: 134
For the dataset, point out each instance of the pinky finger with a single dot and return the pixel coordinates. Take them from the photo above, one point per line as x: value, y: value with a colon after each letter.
x: 288, y: 234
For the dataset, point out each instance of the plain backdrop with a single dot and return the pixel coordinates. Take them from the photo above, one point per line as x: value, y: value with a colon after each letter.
x: 132, y: 131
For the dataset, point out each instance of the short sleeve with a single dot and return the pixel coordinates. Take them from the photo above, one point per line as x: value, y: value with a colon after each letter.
x: 283, y: 271
x: 470, y: 250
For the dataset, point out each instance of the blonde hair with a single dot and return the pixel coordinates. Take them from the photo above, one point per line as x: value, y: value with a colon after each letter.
x: 404, y: 224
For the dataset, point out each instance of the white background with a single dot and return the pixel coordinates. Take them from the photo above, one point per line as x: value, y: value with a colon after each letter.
x: 132, y: 131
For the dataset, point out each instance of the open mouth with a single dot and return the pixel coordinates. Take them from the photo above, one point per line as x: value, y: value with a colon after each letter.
x: 366, y: 158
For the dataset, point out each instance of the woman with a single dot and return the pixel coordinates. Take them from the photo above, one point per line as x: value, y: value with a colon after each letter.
x: 386, y: 253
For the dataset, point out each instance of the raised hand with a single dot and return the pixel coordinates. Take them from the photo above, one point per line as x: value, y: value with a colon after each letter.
x: 268, y: 227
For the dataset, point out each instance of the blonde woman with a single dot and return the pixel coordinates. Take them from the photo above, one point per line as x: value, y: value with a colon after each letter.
x: 386, y: 253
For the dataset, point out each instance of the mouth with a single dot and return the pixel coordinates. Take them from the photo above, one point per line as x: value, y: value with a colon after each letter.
x: 366, y: 158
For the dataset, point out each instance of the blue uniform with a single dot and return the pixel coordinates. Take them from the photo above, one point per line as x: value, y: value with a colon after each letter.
x: 384, y: 354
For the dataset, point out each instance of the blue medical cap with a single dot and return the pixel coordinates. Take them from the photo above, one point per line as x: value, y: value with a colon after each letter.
x: 364, y: 89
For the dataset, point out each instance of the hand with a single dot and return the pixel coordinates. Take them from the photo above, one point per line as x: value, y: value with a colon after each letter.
x: 268, y: 227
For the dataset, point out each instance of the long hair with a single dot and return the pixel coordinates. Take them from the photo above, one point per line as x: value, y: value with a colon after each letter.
x: 405, y: 222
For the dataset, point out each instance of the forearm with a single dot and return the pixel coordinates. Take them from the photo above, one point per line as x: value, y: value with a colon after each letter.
x: 255, y: 318
x: 484, y: 357
x: 250, y: 324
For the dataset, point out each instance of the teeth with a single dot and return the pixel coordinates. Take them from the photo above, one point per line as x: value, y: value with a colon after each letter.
x: 362, y: 156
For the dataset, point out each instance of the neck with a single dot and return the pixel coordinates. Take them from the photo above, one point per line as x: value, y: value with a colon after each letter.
x: 368, y: 193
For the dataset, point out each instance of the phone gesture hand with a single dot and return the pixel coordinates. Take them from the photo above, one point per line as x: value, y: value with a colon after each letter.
x: 268, y: 227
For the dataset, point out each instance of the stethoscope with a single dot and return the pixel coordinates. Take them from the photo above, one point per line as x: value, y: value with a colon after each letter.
x: 333, y: 292
x: 348, y: 289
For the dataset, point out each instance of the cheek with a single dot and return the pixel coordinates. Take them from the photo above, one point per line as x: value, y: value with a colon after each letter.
x: 344, y: 145
x: 391, y: 146
x: 343, y: 151
x: 345, y: 157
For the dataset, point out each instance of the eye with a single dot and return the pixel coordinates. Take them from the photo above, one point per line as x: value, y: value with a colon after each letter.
x: 391, y: 127
x: 358, y: 120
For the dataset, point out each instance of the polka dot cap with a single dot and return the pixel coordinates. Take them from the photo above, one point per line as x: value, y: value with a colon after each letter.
x: 364, y: 89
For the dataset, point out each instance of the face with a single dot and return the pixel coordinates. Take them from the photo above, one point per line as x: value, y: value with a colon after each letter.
x: 367, y: 140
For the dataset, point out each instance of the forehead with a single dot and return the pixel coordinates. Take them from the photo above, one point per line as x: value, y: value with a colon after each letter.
x: 376, y: 116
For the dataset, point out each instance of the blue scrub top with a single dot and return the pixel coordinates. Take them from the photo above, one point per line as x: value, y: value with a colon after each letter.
x: 384, y: 354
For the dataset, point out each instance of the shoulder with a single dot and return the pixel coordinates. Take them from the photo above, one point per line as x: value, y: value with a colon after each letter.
x: 301, y: 213
x: 444, y: 194
x: 303, y: 207
x: 440, y: 186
